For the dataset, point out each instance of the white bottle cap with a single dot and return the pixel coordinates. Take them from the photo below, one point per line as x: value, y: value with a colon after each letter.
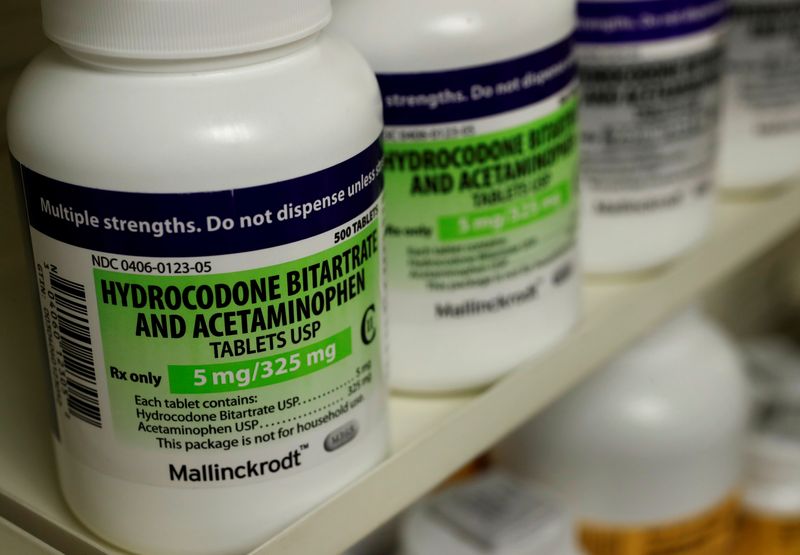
x: 180, y: 29
x: 491, y: 515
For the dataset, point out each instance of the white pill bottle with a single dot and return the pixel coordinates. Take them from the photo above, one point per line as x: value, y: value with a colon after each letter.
x: 770, y: 519
x: 769, y: 523
x: 650, y: 76
x: 761, y: 118
x: 647, y: 453
x: 493, y: 514
x: 480, y: 141
x: 203, y: 186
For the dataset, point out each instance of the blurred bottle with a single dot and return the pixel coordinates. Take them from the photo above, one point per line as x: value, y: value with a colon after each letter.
x: 761, y: 123
x: 774, y: 368
x: 651, y: 79
x: 494, y: 514
x: 648, y: 452
x: 383, y: 541
x: 480, y: 105
x: 770, y: 519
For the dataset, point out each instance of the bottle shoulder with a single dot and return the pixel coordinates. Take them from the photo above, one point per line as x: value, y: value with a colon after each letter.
x: 685, y: 386
x: 234, y: 126
x: 418, y: 35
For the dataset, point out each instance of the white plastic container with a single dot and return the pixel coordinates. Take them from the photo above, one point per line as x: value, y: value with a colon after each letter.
x: 493, y: 514
x: 647, y: 452
x: 160, y: 149
x: 480, y: 195
x: 770, y: 522
x: 761, y: 121
x: 650, y: 74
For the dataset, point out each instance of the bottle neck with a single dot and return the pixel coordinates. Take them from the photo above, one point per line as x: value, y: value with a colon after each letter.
x: 190, y: 65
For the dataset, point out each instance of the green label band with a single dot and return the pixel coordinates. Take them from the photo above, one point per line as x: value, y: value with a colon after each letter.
x: 260, y: 372
x: 473, y: 210
x: 486, y: 223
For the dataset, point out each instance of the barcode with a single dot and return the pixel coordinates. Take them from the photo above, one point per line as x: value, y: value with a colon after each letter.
x: 75, y: 339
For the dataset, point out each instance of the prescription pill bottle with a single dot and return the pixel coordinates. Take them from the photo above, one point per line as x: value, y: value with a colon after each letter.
x: 494, y: 514
x: 761, y: 119
x: 648, y: 452
x: 481, y: 193
x: 650, y: 73
x: 770, y: 520
x: 203, y: 187
x: 769, y: 523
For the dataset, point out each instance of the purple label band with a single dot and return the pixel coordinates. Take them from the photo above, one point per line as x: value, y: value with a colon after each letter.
x: 464, y: 94
x: 642, y: 21
x: 204, y: 224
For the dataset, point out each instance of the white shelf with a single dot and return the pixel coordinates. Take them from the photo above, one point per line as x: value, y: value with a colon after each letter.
x: 432, y: 436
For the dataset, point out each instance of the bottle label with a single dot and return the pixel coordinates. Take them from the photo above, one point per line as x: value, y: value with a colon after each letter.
x: 650, y: 114
x: 480, y: 169
x: 767, y: 535
x: 213, y: 338
x: 764, y: 62
x: 711, y: 533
